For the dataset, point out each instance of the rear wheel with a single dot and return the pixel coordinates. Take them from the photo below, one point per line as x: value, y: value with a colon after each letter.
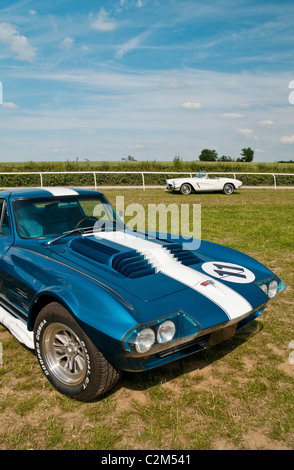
x: 228, y: 188
x: 68, y: 358
x: 186, y: 189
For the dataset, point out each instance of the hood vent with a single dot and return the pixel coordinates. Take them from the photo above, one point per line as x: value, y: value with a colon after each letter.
x: 186, y: 257
x: 132, y: 264
x: 93, y: 249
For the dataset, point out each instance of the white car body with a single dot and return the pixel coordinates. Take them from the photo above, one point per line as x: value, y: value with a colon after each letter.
x: 202, y: 182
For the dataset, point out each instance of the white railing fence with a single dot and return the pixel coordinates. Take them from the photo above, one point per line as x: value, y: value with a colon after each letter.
x: 142, y: 173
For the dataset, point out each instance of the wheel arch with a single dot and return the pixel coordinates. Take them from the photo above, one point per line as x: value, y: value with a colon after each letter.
x: 229, y: 182
x: 43, y: 299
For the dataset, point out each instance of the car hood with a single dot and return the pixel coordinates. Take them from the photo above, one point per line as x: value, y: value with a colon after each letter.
x: 156, y: 268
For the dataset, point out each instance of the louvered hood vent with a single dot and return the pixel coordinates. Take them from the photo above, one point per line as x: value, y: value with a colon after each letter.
x: 132, y: 264
x: 93, y: 249
x: 186, y: 257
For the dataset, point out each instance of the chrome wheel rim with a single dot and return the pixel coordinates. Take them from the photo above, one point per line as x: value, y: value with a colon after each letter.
x: 64, y: 354
x: 228, y: 189
x: 186, y: 189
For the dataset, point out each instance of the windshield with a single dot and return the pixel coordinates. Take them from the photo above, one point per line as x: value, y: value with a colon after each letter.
x: 201, y: 174
x: 51, y: 217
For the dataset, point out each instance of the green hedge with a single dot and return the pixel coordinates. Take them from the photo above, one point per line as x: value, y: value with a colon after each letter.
x: 136, y: 179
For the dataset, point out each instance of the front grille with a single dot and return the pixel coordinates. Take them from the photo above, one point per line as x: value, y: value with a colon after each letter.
x: 194, y: 346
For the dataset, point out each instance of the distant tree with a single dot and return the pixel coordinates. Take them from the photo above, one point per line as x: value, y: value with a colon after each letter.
x: 225, y: 158
x: 247, y: 155
x: 129, y: 159
x: 207, y: 155
x: 177, y: 161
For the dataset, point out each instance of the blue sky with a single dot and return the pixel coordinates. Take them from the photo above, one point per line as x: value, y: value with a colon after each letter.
x: 101, y: 80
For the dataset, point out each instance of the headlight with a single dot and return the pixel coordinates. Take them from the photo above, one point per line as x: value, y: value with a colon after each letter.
x: 264, y: 288
x: 166, y: 331
x: 144, y: 340
x: 160, y: 334
x: 272, y: 289
x: 272, y: 286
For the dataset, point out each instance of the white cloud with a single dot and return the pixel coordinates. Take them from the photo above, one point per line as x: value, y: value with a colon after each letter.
x: 130, y: 45
x: 249, y: 133
x: 287, y: 139
x: 67, y: 43
x: 58, y: 150
x: 17, y: 43
x: 10, y: 105
x: 266, y: 122
x: 191, y: 105
x: 103, y: 22
x: 232, y: 116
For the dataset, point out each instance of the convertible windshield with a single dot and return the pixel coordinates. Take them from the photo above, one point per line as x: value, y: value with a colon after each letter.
x: 201, y: 174
x: 51, y: 217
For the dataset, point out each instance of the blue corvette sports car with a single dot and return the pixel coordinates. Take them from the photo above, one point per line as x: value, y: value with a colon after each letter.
x: 93, y: 298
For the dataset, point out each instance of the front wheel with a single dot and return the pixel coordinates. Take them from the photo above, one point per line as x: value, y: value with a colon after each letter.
x: 186, y: 189
x: 228, y: 188
x: 68, y: 358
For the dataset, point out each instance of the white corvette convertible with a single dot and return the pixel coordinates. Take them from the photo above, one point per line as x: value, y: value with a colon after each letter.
x: 202, y: 182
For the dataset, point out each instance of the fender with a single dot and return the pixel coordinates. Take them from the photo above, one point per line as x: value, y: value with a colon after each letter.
x: 94, y: 305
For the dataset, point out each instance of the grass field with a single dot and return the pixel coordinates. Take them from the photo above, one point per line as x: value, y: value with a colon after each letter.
x: 238, y: 395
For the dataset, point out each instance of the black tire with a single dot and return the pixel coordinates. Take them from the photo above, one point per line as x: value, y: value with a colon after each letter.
x: 228, y: 188
x: 68, y: 358
x: 186, y: 189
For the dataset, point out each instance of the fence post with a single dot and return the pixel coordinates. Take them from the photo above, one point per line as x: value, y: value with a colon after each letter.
x: 143, y: 181
x: 275, y: 182
x: 95, y: 181
x: 41, y: 179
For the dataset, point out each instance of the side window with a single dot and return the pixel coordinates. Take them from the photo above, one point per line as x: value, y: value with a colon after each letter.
x: 4, y: 218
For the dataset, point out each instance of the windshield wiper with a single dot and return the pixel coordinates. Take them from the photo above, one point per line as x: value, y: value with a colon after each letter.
x: 70, y: 232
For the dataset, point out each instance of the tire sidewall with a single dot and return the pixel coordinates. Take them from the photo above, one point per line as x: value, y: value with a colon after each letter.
x: 185, y: 193
x: 55, y: 313
x: 231, y: 188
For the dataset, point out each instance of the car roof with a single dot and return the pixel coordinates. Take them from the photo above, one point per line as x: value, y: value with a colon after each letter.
x: 17, y: 193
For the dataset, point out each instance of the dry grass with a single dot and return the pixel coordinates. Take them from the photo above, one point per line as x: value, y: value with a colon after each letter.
x: 238, y: 395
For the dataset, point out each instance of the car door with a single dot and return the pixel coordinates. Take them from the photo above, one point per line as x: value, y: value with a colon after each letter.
x: 6, y: 241
x: 206, y: 184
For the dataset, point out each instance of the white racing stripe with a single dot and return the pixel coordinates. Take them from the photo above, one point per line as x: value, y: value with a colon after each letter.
x: 226, y: 298
x: 61, y: 191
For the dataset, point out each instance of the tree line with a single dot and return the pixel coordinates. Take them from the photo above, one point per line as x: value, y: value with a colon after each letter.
x: 207, y: 155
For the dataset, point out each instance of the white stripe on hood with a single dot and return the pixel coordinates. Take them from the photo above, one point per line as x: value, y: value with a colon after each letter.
x: 226, y: 298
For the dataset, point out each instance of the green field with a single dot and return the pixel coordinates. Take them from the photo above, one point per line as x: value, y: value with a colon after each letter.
x: 238, y: 395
